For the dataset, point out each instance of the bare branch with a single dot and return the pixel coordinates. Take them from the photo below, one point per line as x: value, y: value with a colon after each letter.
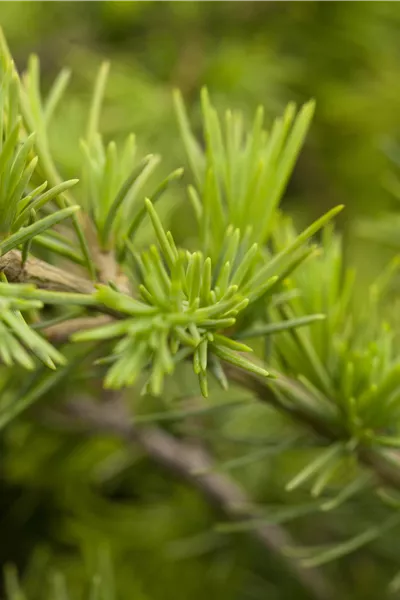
x: 42, y: 274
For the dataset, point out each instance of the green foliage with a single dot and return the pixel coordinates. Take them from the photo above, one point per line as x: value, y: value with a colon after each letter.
x: 100, y: 587
x: 241, y: 176
x: 183, y: 306
x: 20, y: 201
x: 185, y: 299
x: 15, y: 333
x: 124, y: 300
x: 113, y: 183
x: 348, y: 361
x: 181, y: 311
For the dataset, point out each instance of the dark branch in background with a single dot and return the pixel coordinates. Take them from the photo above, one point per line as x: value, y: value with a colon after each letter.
x: 195, y: 466
x: 174, y: 455
x: 186, y: 461
x: 264, y: 392
x: 384, y: 463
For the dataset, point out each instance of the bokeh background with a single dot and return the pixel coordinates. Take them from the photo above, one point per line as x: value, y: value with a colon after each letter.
x: 69, y: 502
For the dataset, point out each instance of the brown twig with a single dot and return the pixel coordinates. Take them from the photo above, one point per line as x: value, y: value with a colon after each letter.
x: 42, y: 274
x: 194, y: 465
x: 50, y: 278
x: 108, y: 269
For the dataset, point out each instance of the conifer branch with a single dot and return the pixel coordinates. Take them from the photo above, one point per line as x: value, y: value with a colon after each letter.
x: 48, y: 277
x: 152, y: 308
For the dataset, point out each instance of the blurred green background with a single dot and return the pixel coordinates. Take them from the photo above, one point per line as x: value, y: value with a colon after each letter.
x: 58, y: 502
x: 247, y: 53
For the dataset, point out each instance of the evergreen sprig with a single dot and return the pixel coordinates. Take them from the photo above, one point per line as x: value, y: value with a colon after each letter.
x: 15, y: 333
x: 241, y: 175
x: 113, y: 180
x: 20, y: 199
x: 188, y: 299
x: 185, y: 305
x: 100, y: 586
x: 348, y: 361
x: 191, y: 303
